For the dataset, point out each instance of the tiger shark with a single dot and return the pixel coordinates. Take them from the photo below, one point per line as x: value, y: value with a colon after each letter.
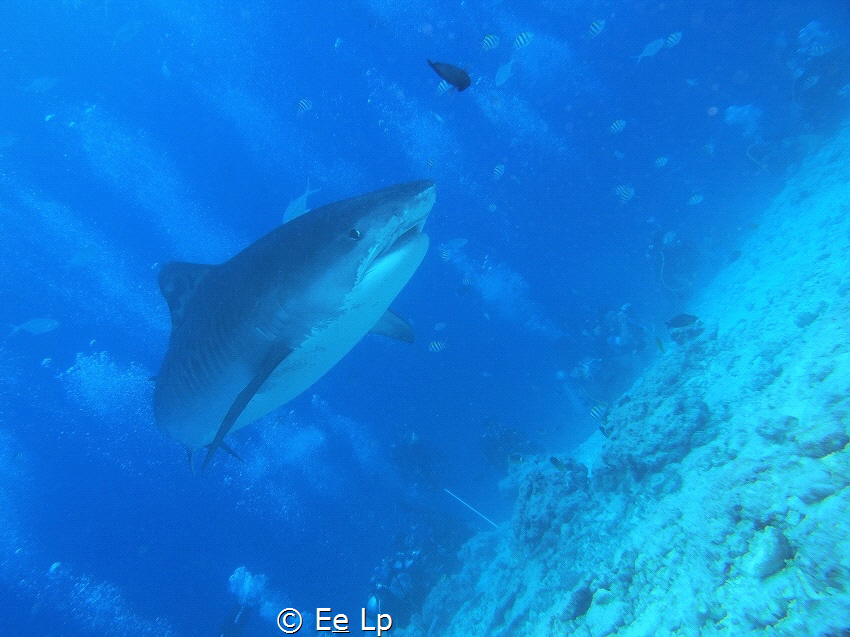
x: 250, y: 334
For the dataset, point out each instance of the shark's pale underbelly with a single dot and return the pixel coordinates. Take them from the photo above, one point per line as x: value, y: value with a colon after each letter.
x: 329, y: 342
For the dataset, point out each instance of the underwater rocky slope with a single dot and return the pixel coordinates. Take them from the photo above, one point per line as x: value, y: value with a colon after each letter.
x: 717, y: 502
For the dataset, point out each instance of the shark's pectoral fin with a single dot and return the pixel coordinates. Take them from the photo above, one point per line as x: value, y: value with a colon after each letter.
x: 274, y: 357
x: 229, y: 450
x: 392, y: 325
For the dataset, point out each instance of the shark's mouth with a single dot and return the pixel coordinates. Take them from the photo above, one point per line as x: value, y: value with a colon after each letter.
x: 403, y: 239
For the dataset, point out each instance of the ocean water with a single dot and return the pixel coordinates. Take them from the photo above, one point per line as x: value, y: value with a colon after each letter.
x: 549, y: 456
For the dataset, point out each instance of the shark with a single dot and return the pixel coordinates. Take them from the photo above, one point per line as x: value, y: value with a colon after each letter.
x: 252, y: 333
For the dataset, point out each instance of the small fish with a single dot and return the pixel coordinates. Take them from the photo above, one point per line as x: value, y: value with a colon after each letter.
x: 430, y: 163
x: 454, y: 75
x: 709, y: 148
x: 809, y: 82
x: 439, y: 327
x: 490, y: 42
x: 817, y: 50
x: 695, y: 199
x: 437, y: 346
x: 681, y: 320
x: 516, y: 458
x: 650, y: 49
x: 298, y: 206
x: 625, y: 193
x: 659, y: 344
x: 557, y: 463
x: 450, y: 248
x: 660, y: 162
x: 35, y: 326
x: 304, y: 105
x: 617, y: 126
x: 442, y: 87
x: 673, y: 39
x: 498, y: 171
x: 504, y: 72
x: 599, y: 411
x: 619, y: 155
x: 595, y: 28
x: 523, y: 40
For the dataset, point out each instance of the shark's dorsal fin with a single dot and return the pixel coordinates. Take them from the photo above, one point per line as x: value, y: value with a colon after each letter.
x: 392, y: 325
x: 178, y: 281
x: 279, y: 351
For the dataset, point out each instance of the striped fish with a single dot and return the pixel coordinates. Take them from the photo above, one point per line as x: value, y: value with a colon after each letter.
x: 595, y: 28
x: 490, y: 42
x: 437, y: 346
x: 599, y: 411
x: 523, y: 40
x: 442, y: 87
x: 695, y: 199
x: 625, y: 193
x: 498, y: 171
x: 673, y: 39
x: 660, y: 162
x: 304, y: 105
x: 617, y: 126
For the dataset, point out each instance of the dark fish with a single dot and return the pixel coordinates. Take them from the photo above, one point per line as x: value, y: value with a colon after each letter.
x: 557, y: 463
x: 682, y: 320
x: 452, y: 74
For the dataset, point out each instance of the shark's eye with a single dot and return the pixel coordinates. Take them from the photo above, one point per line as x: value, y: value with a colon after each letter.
x: 354, y: 234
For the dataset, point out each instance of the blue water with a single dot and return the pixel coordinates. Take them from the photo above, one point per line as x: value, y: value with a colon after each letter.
x: 138, y: 132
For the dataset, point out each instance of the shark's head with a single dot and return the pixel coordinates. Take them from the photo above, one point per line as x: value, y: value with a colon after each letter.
x: 373, y: 239
x: 379, y: 230
x: 392, y: 227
